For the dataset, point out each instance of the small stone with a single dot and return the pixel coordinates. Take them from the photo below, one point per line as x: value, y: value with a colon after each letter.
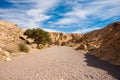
x: 8, y: 59
x: 6, y: 53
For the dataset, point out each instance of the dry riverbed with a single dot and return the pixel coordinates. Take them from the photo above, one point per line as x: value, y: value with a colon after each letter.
x: 58, y: 63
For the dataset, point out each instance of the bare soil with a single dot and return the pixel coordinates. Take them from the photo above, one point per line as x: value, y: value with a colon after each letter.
x: 58, y: 63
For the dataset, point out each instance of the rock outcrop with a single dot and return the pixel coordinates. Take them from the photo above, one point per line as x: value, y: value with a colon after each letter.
x: 63, y: 39
x: 9, y: 37
x: 110, y: 47
x: 9, y: 33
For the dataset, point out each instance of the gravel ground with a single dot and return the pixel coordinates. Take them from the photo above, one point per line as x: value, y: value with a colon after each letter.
x: 58, y: 63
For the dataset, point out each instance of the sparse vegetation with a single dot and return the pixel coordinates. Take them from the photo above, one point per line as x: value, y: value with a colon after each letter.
x: 12, y: 48
x: 40, y: 36
x: 23, y: 47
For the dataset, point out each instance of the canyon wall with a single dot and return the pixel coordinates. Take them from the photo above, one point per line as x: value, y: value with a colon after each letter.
x: 103, y: 43
x: 109, y: 49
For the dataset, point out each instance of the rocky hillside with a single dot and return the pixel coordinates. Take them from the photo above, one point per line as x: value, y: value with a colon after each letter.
x: 9, y: 33
x: 110, y: 47
x: 103, y: 43
x: 9, y: 37
x: 95, y: 38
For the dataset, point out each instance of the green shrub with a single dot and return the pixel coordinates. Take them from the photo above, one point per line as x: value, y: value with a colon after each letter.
x: 23, y: 47
x: 40, y: 36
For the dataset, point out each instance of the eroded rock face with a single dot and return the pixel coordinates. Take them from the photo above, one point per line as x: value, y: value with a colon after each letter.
x: 103, y: 43
x: 110, y: 47
x: 9, y: 36
x: 9, y: 33
x: 62, y: 39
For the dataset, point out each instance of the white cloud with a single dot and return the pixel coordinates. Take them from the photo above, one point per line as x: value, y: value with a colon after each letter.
x: 108, y: 8
x: 67, y: 21
x: 37, y: 15
x: 20, y: 1
x: 78, y: 13
x: 85, y: 30
x: 50, y: 30
x: 31, y: 17
x: 103, y: 10
x: 82, y: 14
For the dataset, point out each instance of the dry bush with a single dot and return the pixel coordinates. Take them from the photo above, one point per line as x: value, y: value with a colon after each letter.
x: 16, y: 48
x: 23, y: 47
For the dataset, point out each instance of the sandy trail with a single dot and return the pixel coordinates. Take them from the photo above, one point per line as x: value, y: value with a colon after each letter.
x: 58, y: 63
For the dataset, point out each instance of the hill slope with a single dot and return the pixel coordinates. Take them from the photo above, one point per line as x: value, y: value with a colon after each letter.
x: 110, y: 48
x: 9, y: 38
x: 9, y: 33
x: 103, y: 43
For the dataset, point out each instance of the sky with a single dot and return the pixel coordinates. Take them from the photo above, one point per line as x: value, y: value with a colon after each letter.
x: 67, y: 16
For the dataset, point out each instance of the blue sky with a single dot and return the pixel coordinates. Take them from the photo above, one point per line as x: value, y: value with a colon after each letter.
x: 68, y: 16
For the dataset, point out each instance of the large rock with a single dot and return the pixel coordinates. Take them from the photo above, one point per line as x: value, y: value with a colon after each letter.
x: 5, y: 55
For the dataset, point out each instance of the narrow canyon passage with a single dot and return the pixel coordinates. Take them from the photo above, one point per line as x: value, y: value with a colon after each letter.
x: 58, y: 63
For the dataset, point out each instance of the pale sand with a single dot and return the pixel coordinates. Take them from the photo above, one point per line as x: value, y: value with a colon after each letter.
x: 57, y: 63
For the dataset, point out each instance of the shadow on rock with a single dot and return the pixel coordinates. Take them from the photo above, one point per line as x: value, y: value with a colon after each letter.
x: 112, y: 70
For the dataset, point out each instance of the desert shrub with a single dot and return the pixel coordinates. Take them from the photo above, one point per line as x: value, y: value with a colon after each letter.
x: 23, y: 47
x: 40, y: 36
